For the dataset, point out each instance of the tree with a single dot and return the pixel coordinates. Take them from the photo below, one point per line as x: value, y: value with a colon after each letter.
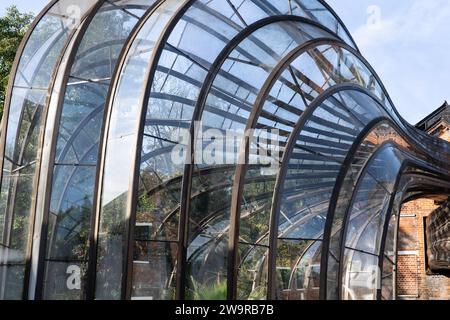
x: 13, y: 27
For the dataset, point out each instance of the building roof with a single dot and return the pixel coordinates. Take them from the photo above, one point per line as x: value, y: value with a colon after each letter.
x: 442, y: 114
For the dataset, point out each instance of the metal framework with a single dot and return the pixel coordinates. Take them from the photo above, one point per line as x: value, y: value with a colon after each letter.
x: 93, y: 207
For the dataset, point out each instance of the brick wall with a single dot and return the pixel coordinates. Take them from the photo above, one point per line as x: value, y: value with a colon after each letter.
x: 408, y: 280
x: 413, y: 282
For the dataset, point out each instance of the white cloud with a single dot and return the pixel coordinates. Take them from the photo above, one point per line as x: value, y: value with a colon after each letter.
x: 409, y: 48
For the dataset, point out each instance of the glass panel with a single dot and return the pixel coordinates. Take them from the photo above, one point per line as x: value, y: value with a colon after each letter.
x: 122, y: 136
x: 12, y: 278
x: 374, y: 199
x: 16, y: 235
x: 361, y: 276
x: 387, y: 287
x: 154, y: 270
x: 32, y: 82
x: 229, y: 105
x: 256, y: 213
x: 298, y: 269
x: 79, y: 129
x: 252, y: 277
x: 391, y: 238
x: 369, y: 241
x: 385, y: 168
x: 313, y: 169
x: 69, y: 225
x: 19, y: 161
x: 183, y: 55
x: 317, y: 12
x: 179, y: 74
x: 388, y: 267
x: 365, y: 223
x: 67, y: 280
x: 325, y: 138
x: 153, y: 212
x: 207, y: 261
x: 69, y: 220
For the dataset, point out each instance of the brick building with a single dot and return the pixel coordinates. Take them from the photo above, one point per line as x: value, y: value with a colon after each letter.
x: 415, y: 280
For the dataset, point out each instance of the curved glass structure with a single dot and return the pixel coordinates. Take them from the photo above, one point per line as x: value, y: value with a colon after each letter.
x: 197, y: 149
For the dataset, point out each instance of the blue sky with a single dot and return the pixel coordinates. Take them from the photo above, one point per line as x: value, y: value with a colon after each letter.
x: 34, y: 6
x: 406, y: 41
x: 408, y: 44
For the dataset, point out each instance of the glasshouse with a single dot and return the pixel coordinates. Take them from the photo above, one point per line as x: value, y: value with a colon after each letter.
x: 116, y: 118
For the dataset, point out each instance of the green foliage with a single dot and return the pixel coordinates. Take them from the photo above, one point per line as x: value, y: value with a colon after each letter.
x: 259, y: 293
x: 146, y: 204
x: 245, y: 283
x: 13, y: 27
x: 217, y: 291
